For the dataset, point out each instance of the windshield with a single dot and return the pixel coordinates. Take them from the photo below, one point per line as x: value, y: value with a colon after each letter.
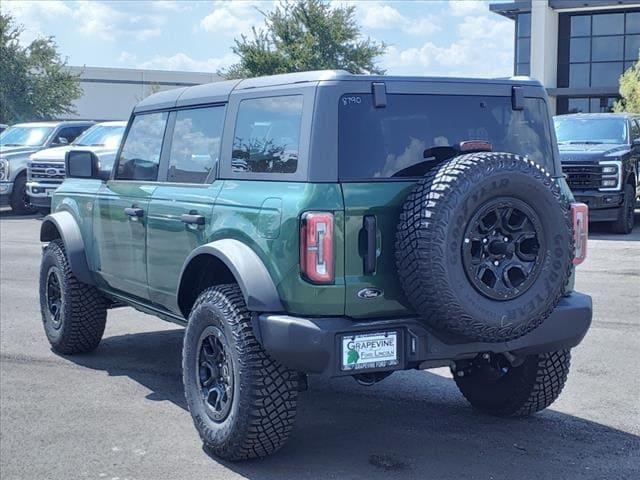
x: 571, y: 130
x: 101, y: 136
x: 25, y: 136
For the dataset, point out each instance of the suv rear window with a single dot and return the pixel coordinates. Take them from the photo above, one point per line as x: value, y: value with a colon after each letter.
x: 386, y: 142
x: 267, y: 135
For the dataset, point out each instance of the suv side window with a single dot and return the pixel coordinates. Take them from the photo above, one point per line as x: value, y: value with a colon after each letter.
x: 195, y: 145
x: 267, y: 135
x: 635, y: 130
x: 140, y: 154
x: 69, y: 133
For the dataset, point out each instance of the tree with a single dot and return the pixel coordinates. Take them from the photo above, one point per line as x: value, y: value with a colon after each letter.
x: 34, y: 81
x: 305, y: 35
x: 629, y: 90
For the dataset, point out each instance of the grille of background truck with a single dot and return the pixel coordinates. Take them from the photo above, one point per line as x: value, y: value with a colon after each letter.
x: 583, y: 177
x: 43, y: 172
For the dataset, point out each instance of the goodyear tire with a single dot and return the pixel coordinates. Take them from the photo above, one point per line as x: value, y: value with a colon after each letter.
x: 484, y: 246
x: 242, y: 402
x: 73, y: 313
x: 520, y: 391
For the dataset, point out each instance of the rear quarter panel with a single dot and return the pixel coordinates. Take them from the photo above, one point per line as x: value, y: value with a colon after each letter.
x: 266, y: 216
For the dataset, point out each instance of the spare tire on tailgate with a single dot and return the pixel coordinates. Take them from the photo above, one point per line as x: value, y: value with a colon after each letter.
x: 484, y: 246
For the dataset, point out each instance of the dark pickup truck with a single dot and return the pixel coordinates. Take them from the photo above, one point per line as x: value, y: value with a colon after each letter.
x: 600, y: 153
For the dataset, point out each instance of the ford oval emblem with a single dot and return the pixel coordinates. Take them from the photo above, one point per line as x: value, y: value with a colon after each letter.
x: 367, y: 293
x: 51, y: 171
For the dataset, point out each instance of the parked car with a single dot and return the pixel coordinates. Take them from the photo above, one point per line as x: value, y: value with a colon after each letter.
x: 328, y: 223
x: 17, y: 143
x: 45, y: 169
x: 600, y: 155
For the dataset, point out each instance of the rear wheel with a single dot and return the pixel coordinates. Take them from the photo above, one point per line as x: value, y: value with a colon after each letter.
x: 243, y: 403
x: 626, y: 216
x: 19, y: 200
x: 494, y: 386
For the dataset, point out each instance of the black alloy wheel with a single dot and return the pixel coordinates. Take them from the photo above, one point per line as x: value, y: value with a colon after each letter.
x: 54, y: 299
x: 215, y: 373
x: 501, y: 247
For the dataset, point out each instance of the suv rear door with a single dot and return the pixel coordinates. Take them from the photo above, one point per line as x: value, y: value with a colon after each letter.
x: 182, y: 205
x: 120, y: 213
x: 381, y: 152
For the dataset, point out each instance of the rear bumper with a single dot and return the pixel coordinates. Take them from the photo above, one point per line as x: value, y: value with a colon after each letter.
x: 312, y: 345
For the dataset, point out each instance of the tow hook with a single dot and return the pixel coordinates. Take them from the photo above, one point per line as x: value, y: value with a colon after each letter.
x: 502, y: 361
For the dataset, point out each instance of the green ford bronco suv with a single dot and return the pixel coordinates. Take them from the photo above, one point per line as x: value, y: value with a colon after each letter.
x: 328, y: 223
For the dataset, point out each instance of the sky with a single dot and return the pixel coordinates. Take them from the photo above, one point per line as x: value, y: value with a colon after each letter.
x: 434, y: 37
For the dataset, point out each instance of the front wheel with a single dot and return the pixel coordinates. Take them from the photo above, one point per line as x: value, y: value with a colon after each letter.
x: 626, y: 216
x: 74, y: 314
x: 243, y: 403
x: 19, y: 201
x: 493, y: 385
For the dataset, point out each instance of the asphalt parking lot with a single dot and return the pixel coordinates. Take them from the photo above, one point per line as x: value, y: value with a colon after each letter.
x: 119, y: 413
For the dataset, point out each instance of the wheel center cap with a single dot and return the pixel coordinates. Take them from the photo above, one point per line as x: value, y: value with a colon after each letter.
x: 498, y: 247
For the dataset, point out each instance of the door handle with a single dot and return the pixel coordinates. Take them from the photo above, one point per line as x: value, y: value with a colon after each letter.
x: 192, y: 219
x: 134, y: 212
x: 369, y: 223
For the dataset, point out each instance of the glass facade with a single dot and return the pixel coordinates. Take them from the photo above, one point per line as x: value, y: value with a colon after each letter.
x: 585, y: 104
x: 523, y: 44
x: 594, y: 49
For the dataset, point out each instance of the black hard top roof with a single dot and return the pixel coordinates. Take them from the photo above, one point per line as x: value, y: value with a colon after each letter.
x: 219, y: 91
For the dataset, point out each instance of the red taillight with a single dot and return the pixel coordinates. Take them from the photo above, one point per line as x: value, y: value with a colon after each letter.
x: 580, y: 214
x: 316, y: 247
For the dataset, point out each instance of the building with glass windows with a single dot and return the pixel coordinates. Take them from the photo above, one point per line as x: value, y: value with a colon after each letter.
x: 577, y: 48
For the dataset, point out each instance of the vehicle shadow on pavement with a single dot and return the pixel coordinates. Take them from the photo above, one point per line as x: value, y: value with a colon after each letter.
x: 602, y: 231
x: 8, y: 214
x: 411, y: 425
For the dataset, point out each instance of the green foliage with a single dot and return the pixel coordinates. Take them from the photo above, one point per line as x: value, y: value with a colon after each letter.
x: 305, y: 35
x: 629, y: 90
x: 34, y: 83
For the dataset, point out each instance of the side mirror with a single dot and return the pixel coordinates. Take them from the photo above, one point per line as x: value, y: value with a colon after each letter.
x: 83, y: 164
x: 636, y: 142
x: 61, y: 141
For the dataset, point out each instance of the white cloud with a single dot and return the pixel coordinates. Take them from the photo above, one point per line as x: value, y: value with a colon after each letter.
x: 182, y: 61
x: 463, y: 8
x: 483, y: 48
x: 381, y: 16
x: 234, y: 18
x: 105, y: 22
x: 99, y: 20
x: 34, y: 14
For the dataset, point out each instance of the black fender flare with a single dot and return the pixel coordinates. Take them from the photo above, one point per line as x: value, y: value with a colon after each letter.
x: 64, y: 226
x: 255, y: 282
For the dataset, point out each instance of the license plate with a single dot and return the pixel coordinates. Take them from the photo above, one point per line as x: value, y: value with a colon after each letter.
x: 369, y: 350
x: 49, y: 192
